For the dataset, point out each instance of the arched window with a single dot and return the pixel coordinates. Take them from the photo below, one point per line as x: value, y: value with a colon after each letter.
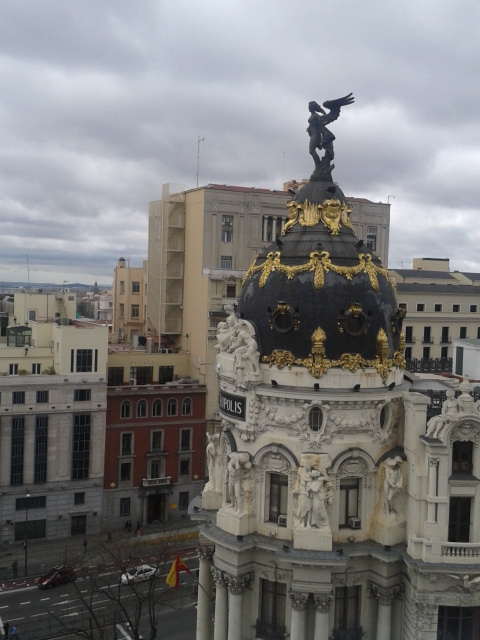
x: 186, y: 407
x: 126, y: 409
x: 172, y: 407
x: 157, y: 408
x: 142, y: 409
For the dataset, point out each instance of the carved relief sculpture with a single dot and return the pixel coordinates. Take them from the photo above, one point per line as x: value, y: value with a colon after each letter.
x: 392, y: 484
x: 213, y: 462
x: 450, y: 413
x: 237, y: 482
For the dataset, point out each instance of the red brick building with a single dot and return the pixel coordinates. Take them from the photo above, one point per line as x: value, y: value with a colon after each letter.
x: 154, y: 451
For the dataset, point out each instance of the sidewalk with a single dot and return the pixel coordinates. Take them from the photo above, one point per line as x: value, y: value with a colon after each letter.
x: 42, y: 555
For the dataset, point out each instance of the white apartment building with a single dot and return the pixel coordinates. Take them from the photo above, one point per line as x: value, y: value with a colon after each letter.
x: 52, y: 411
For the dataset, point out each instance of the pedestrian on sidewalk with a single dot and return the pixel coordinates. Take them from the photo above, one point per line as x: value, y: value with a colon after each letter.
x: 14, y: 635
x: 15, y: 568
x: 109, y: 536
x: 85, y: 545
x: 6, y: 627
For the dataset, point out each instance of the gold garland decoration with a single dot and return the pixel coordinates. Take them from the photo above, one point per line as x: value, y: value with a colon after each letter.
x: 318, y: 365
x: 320, y: 263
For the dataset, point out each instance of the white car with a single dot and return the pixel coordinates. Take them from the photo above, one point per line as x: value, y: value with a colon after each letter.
x: 139, y: 574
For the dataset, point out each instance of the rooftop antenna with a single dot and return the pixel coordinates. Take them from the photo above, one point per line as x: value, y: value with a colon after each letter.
x: 388, y: 199
x: 198, y: 156
x: 28, y: 274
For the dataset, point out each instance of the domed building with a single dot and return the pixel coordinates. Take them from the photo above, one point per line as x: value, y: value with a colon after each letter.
x: 325, y: 509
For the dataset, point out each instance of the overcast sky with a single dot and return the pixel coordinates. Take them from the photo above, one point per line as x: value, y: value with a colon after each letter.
x: 103, y: 101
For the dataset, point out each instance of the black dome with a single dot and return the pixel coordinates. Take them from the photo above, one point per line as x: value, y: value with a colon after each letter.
x: 318, y: 294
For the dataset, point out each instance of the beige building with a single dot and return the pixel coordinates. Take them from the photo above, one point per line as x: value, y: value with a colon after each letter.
x: 53, y: 397
x: 441, y: 306
x: 201, y: 242
x: 129, y: 295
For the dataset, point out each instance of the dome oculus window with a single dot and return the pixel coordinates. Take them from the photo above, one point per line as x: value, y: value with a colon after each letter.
x: 315, y: 419
x: 353, y: 321
x: 284, y: 318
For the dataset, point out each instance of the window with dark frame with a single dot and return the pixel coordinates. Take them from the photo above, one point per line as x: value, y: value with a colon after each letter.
x: 315, y: 419
x: 126, y: 409
x: 125, y: 471
x: 115, y: 376
x: 124, y: 507
x: 18, y: 397
x: 42, y: 396
x: 79, y: 497
x: 183, y: 500
x: 409, y: 334
x: 438, y: 307
x: 348, y: 501
x: 143, y: 375
x: 420, y: 306
x: 227, y: 229
x: 277, y: 505
x: 172, y: 407
x: 36, y: 368
x: 445, y: 334
x: 372, y: 238
x: 187, y: 407
x: 41, y: 447
x: 426, y: 353
x: 231, y: 290
x: 473, y: 308
x: 462, y: 457
x: 185, y: 440
x: 184, y: 467
x: 82, y: 395
x: 458, y: 623
x: 135, y: 311
x: 142, y: 409
x: 126, y: 448
x: 456, y: 308
x: 157, y: 440
x: 84, y: 360
x: 157, y: 408
x: 135, y: 287
x: 463, y: 332
x: 17, y: 450
x: 273, y: 599
x: 81, y: 446
x: 225, y: 262
x: 459, y: 519
x: 347, y: 610
x: 165, y: 374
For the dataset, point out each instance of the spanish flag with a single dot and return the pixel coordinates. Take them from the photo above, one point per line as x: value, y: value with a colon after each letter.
x: 177, y: 566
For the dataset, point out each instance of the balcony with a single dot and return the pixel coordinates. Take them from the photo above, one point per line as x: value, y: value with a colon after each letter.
x: 268, y: 631
x: 348, y: 634
x: 156, y: 482
x: 458, y: 551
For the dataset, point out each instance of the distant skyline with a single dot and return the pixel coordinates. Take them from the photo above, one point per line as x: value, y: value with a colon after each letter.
x: 103, y: 102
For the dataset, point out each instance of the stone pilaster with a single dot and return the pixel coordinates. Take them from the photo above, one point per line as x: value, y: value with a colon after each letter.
x: 220, y: 628
x: 205, y: 592
x: 299, y: 602
x: 385, y: 596
x: 323, y: 604
x: 236, y: 587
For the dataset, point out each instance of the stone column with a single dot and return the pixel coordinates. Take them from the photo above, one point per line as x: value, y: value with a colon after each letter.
x: 299, y: 615
x: 205, y: 591
x: 432, y: 489
x: 236, y: 587
x: 384, y: 595
x: 221, y: 605
x: 323, y: 604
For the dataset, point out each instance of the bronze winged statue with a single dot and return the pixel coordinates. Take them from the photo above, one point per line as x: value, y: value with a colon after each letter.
x: 320, y: 136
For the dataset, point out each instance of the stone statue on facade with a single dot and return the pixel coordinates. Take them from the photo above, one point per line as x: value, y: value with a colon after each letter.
x: 213, y: 462
x: 238, y: 476
x: 312, y: 492
x: 392, y: 483
x: 451, y: 409
x: 321, y: 137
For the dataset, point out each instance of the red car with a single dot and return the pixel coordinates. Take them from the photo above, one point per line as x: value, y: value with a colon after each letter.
x: 58, y: 575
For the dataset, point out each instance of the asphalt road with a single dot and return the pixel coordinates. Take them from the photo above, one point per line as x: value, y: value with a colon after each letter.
x: 42, y: 614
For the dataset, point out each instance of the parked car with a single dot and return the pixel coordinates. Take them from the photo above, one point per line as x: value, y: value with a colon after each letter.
x: 58, y: 575
x: 139, y: 574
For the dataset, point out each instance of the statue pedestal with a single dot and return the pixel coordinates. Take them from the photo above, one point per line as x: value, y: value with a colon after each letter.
x: 236, y: 524
x: 313, y: 539
x: 212, y: 500
x: 389, y: 533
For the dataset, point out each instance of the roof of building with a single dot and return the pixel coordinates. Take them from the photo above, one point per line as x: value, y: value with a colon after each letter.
x: 431, y: 287
x: 226, y: 187
x: 425, y: 275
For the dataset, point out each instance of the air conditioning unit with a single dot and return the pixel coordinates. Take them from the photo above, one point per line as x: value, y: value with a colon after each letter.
x: 133, y: 382
x: 354, y: 523
x: 282, y: 521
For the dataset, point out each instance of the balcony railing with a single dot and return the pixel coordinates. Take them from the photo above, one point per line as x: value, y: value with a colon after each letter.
x: 429, y: 364
x: 156, y: 482
x: 348, y: 634
x: 269, y: 631
x: 458, y: 550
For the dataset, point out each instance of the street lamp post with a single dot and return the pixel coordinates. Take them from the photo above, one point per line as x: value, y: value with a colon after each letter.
x: 25, y: 540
